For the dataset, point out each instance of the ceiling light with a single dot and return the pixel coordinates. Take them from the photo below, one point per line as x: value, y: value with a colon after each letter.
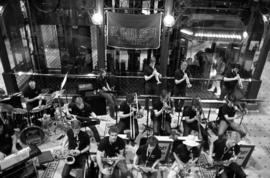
x: 245, y: 34
x: 186, y: 31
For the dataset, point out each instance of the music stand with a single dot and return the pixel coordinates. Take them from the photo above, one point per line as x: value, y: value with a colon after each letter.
x: 147, y: 128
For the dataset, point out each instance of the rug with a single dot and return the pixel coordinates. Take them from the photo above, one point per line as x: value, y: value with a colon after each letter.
x: 203, y: 171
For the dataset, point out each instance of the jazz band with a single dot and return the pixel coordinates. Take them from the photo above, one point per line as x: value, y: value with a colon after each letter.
x: 110, y: 154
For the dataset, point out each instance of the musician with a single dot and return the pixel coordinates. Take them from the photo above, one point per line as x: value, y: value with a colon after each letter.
x: 227, y: 114
x: 152, y: 78
x: 226, y: 151
x: 104, y: 90
x: 161, y: 114
x: 185, y: 155
x: 230, y: 80
x: 128, y: 110
x: 32, y: 95
x: 192, y: 116
x: 148, y: 155
x: 112, y: 146
x: 78, y: 107
x: 2, y: 93
x: 8, y: 141
x: 79, y: 143
x: 181, y: 81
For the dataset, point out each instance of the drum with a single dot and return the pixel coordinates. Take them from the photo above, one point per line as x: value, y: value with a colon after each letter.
x: 19, y: 118
x: 38, y: 112
x: 5, y: 117
x: 32, y: 135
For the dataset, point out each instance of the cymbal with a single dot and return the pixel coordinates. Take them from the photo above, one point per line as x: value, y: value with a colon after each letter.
x: 19, y: 111
x: 57, y: 94
x: 5, y: 99
x: 83, y: 118
x: 6, y: 107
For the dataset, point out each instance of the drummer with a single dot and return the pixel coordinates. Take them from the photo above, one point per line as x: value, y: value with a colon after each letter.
x: 32, y: 95
x: 80, y: 108
x: 8, y: 141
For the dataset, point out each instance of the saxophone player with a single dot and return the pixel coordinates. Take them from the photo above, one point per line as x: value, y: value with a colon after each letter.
x: 111, y: 147
x: 78, y: 143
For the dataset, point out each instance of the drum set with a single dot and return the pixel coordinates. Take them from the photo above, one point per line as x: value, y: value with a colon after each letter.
x: 30, y: 124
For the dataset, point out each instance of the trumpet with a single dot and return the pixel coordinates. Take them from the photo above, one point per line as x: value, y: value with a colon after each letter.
x: 187, y: 81
x: 240, y: 82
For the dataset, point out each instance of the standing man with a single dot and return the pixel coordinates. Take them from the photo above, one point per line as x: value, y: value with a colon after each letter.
x: 110, y: 147
x: 161, y: 114
x: 78, y: 144
x: 148, y: 156
x: 128, y: 111
x: 224, y: 152
x: 105, y: 91
x: 80, y: 108
x: 230, y: 80
x: 181, y: 81
x: 152, y: 78
x: 32, y: 95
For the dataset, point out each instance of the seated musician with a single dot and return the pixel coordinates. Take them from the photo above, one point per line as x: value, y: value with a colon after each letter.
x: 227, y: 114
x: 128, y: 110
x: 80, y: 108
x: 79, y: 144
x: 32, y: 95
x: 185, y: 155
x: 148, y: 155
x: 8, y: 141
x: 223, y: 153
x: 104, y: 90
x: 112, y: 146
x: 191, y: 115
x: 161, y: 114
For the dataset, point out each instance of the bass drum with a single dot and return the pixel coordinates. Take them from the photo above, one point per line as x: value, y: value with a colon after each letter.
x: 32, y: 135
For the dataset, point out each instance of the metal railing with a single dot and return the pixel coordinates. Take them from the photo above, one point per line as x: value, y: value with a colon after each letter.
x: 123, y: 84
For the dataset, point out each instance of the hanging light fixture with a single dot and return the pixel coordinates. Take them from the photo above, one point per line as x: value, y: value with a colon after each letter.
x: 97, y: 19
x: 168, y: 21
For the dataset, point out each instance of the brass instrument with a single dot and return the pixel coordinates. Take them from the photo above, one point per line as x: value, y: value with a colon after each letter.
x: 111, y: 162
x: 240, y: 82
x: 69, y: 156
x: 131, y: 118
x: 167, y: 109
x: 199, y: 111
x: 187, y: 80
